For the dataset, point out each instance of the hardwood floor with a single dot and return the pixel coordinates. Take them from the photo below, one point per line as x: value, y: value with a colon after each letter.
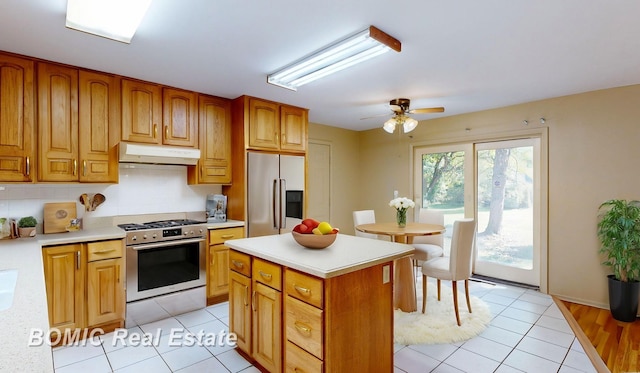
x: 616, y: 345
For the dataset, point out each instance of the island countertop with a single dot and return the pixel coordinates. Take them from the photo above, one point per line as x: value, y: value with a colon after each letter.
x: 347, y: 254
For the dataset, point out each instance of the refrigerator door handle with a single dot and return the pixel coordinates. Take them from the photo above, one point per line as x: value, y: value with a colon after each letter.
x: 283, y: 203
x: 276, y: 219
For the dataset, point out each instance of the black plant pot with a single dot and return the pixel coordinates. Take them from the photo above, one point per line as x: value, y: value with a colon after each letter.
x: 623, y: 299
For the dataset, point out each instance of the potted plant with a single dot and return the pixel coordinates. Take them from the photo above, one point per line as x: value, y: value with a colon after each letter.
x: 619, y: 234
x: 27, y: 226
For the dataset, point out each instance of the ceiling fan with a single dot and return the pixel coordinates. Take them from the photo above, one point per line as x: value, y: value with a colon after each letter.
x: 401, y: 111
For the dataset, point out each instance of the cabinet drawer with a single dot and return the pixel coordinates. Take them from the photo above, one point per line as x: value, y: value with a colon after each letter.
x: 218, y: 236
x: 267, y: 273
x: 304, y: 287
x: 298, y: 360
x: 303, y: 326
x: 240, y: 262
x: 104, y: 250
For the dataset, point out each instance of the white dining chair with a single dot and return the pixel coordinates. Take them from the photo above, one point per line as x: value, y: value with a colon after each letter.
x: 457, y: 266
x: 364, y: 217
x: 428, y: 247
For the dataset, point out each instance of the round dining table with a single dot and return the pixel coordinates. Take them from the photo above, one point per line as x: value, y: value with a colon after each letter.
x: 404, y: 292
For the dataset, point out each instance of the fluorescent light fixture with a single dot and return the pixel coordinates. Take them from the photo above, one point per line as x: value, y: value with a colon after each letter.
x: 338, y: 56
x: 112, y: 19
x: 408, y: 123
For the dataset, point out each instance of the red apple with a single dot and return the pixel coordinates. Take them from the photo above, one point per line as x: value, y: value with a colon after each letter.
x: 301, y: 228
x: 335, y: 230
x: 310, y: 223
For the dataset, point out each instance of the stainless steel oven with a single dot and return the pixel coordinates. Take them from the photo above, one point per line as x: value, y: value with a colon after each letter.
x: 165, y: 269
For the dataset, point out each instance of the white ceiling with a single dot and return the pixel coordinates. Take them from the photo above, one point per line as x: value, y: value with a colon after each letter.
x: 465, y: 55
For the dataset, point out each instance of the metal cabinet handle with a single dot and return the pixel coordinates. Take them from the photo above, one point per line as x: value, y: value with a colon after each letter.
x: 155, y: 130
x: 267, y: 276
x: 253, y: 301
x: 246, y: 296
x: 225, y: 236
x: 75, y: 167
x: 118, y: 274
x: 28, y: 167
x: 84, y: 168
x: 302, y: 327
x: 236, y: 263
x: 78, y: 259
x: 301, y: 290
x: 298, y: 370
x: 103, y: 251
x: 166, y: 132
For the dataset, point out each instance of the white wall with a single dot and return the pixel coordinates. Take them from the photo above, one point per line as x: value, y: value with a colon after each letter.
x: 142, y: 189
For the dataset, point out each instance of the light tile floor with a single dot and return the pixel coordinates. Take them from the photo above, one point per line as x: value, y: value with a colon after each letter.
x: 527, y: 334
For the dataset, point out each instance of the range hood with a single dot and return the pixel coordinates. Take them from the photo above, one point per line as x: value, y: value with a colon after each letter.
x: 140, y: 153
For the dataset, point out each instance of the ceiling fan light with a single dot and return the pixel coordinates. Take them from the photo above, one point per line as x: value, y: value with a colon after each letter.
x: 409, y: 124
x: 390, y: 125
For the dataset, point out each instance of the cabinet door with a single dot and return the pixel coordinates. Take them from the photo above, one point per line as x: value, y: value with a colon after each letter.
x: 64, y: 275
x: 17, y: 126
x: 218, y: 270
x: 105, y: 291
x: 57, y: 123
x: 215, y: 142
x: 141, y: 112
x: 267, y: 329
x: 180, y: 117
x: 240, y: 310
x: 99, y: 102
x: 293, y: 128
x: 264, y: 125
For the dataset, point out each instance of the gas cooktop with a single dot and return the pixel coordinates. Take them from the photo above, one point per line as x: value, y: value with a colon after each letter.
x: 159, y: 224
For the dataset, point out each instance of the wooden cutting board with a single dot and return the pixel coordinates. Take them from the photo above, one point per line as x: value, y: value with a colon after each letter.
x: 57, y: 216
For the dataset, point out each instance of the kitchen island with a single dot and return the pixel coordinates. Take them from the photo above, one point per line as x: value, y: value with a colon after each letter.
x: 327, y: 310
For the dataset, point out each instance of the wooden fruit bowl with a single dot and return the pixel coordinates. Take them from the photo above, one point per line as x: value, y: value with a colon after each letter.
x: 314, y: 241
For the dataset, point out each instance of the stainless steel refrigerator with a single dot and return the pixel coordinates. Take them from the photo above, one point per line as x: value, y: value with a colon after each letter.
x: 275, y: 193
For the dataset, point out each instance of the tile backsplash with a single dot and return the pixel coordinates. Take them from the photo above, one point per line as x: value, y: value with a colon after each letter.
x: 142, y: 189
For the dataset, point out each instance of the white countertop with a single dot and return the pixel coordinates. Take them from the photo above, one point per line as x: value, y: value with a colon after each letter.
x: 28, y: 311
x: 83, y: 235
x: 225, y: 224
x: 346, y: 254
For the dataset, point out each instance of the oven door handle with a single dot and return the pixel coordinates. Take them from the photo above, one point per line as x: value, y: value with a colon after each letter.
x: 164, y: 244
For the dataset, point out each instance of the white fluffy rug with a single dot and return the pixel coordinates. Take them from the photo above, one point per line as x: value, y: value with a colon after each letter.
x: 438, y: 323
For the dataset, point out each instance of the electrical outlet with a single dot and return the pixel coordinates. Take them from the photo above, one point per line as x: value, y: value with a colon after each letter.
x: 386, y: 274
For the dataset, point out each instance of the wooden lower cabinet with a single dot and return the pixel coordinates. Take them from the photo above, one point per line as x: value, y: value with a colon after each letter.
x: 303, y: 323
x: 85, y: 285
x: 218, y: 263
x: 64, y: 275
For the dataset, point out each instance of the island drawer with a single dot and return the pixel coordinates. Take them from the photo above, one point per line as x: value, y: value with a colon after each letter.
x: 218, y: 236
x: 267, y: 273
x: 240, y: 262
x: 104, y: 250
x: 298, y: 360
x: 303, y: 326
x: 305, y: 287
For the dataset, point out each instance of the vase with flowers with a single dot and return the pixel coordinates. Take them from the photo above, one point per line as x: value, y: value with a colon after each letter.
x: 401, y: 204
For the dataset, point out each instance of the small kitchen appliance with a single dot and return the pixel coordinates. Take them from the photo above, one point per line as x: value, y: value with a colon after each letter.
x: 216, y: 208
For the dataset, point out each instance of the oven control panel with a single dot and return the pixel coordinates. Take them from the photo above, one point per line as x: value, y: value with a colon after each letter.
x: 165, y: 234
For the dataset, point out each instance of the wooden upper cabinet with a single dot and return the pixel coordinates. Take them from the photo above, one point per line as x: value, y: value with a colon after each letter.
x: 153, y: 115
x: 17, y: 119
x: 293, y: 128
x: 274, y: 126
x: 141, y: 112
x: 180, y: 117
x: 99, y: 127
x: 57, y: 123
x: 264, y: 124
x: 215, y: 142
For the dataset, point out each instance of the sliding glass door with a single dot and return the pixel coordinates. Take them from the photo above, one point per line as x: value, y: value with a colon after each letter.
x: 507, y: 188
x: 498, y: 183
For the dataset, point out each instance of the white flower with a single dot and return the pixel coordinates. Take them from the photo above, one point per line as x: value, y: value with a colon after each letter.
x: 401, y: 203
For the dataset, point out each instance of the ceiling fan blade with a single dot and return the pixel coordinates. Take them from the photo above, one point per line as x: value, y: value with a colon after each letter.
x: 427, y: 110
x: 375, y: 116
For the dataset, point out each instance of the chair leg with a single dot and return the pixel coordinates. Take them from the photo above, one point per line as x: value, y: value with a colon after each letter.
x: 466, y: 293
x: 454, y: 285
x: 438, y: 290
x: 424, y: 293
